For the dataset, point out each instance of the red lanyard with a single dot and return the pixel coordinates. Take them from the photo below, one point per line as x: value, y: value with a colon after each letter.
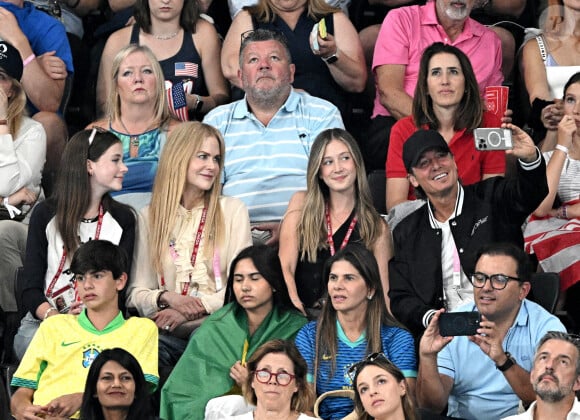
x: 329, y: 231
x: 63, y: 258
x: 185, y: 289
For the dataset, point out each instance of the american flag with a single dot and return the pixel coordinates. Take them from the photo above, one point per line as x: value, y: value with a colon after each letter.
x: 177, y: 102
x: 186, y: 69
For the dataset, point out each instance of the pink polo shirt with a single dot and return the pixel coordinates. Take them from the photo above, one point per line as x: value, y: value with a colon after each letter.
x: 407, y: 31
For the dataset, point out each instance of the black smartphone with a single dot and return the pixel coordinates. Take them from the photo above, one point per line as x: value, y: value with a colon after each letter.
x: 459, y: 323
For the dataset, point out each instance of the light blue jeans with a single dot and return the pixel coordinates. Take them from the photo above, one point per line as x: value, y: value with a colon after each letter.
x: 23, y: 337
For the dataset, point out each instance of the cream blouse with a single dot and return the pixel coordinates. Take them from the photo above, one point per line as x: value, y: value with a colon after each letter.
x: 145, y: 284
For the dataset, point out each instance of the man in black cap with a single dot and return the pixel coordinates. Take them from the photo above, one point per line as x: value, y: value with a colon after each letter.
x: 435, y: 246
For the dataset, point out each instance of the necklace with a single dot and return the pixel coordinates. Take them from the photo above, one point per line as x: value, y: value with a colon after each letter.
x: 133, y: 141
x: 165, y: 37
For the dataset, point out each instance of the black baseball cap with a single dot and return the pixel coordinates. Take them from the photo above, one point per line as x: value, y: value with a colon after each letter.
x: 420, y: 142
x: 10, y: 60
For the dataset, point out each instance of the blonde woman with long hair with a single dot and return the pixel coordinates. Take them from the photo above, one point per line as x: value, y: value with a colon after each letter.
x: 336, y: 209
x: 137, y: 113
x: 187, y: 238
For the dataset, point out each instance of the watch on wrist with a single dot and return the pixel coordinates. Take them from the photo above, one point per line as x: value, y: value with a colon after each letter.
x: 198, y: 104
x: 332, y: 58
x: 160, y: 305
x: 508, y: 363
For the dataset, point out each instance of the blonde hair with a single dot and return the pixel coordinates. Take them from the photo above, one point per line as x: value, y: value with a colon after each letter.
x: 182, y: 144
x: 264, y: 11
x: 162, y: 113
x: 16, y: 106
x: 312, y: 232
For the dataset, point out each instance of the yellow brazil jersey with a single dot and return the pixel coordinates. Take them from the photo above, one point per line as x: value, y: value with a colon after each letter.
x: 58, y: 359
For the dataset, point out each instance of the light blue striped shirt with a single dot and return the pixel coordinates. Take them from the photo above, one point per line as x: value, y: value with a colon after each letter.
x: 265, y: 165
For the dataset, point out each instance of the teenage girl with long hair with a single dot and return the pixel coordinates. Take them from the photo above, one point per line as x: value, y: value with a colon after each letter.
x: 79, y: 210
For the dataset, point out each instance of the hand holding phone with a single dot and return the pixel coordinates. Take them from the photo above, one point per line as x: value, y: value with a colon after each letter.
x: 322, y: 28
x: 459, y: 323
x: 492, y: 139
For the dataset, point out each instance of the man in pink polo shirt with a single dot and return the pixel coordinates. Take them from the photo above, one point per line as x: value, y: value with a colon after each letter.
x: 404, y: 34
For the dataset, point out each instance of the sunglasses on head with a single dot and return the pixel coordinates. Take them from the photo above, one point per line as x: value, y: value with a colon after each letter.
x: 355, y: 368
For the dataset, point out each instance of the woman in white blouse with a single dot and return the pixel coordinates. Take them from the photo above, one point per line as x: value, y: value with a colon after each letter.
x: 187, y: 238
x: 22, y: 156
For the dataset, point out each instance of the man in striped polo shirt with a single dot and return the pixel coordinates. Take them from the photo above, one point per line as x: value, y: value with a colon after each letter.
x: 268, y: 133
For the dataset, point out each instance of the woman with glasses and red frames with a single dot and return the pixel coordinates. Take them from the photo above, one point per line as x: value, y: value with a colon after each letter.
x: 381, y: 392
x: 277, y: 383
x: 353, y: 323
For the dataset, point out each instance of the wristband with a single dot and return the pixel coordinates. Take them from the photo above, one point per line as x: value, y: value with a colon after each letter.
x: 12, y: 210
x: 47, y: 312
x: 508, y: 363
x: 28, y: 60
x: 562, y: 149
x: 563, y: 212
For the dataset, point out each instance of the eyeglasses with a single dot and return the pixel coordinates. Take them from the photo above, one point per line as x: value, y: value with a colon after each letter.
x: 262, y: 35
x: 354, y: 369
x: 498, y: 281
x: 282, y: 378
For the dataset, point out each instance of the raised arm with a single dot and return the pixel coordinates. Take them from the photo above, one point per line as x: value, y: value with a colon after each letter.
x: 349, y: 71
x: 566, y: 131
x: 231, y: 48
x: 209, y: 46
x: 433, y: 388
x: 289, y: 245
x: 42, y: 90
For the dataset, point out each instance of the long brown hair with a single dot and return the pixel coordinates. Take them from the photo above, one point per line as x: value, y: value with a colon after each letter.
x: 183, y: 142
x: 391, y: 369
x: 72, y: 193
x: 187, y: 19
x: 376, y: 315
x: 311, y: 228
x: 469, y: 112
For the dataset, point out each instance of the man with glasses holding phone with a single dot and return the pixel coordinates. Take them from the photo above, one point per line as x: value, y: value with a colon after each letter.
x: 555, y: 378
x: 485, y: 375
x: 435, y: 246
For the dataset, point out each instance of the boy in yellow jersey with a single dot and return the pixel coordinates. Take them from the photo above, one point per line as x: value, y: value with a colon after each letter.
x: 52, y: 374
